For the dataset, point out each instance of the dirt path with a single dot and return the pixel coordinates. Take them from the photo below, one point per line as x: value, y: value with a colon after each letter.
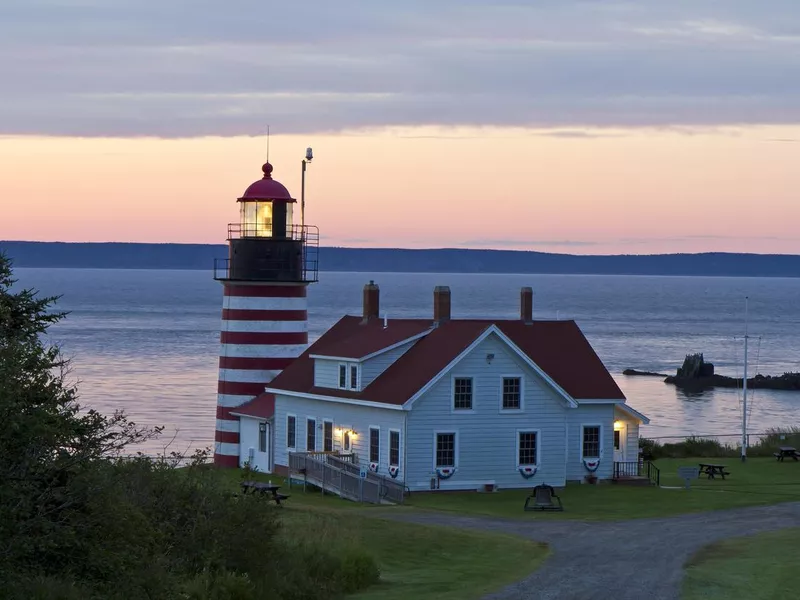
x: 636, y: 560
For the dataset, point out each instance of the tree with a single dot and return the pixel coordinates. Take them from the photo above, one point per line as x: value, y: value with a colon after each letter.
x: 46, y: 438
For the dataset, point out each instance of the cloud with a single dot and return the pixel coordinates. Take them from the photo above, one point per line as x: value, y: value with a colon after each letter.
x: 203, y: 67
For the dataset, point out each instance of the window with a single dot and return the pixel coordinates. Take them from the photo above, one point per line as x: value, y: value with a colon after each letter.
x: 343, y: 376
x: 262, y: 437
x: 374, y: 445
x: 512, y: 393
x: 394, y: 448
x: 591, y: 441
x: 291, y: 431
x: 462, y: 393
x: 311, y: 435
x: 346, y: 440
x: 526, y: 449
x: 617, y: 440
x: 327, y: 436
x: 353, y: 377
x: 445, y: 449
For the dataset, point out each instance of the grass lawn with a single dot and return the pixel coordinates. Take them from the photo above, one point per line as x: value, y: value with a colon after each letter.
x: 758, y: 567
x: 415, y: 561
x: 758, y: 481
x: 418, y: 561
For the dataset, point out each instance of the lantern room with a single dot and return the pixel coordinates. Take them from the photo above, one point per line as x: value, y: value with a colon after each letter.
x: 266, y: 208
x: 266, y: 245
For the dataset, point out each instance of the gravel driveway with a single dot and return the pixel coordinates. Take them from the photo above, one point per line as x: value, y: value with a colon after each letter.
x: 636, y: 560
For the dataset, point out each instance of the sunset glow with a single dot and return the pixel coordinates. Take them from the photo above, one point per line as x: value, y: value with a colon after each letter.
x: 587, y: 191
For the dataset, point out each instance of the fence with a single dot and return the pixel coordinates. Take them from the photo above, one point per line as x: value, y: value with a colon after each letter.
x: 719, y: 445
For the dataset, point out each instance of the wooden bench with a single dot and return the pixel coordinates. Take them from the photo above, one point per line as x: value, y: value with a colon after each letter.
x: 279, y: 498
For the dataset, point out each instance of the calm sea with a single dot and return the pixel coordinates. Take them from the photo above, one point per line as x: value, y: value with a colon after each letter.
x: 147, y: 341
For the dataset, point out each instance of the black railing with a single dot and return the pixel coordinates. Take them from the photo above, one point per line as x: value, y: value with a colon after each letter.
x: 308, y: 234
x: 652, y: 472
x: 293, y: 258
x: 626, y: 469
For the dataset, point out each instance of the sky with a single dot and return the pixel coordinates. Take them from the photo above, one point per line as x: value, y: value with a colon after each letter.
x: 579, y: 126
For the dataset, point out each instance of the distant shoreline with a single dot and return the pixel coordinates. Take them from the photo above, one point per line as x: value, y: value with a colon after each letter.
x: 200, y: 257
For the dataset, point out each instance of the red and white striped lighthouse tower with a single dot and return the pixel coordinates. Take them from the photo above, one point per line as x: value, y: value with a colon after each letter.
x: 270, y: 263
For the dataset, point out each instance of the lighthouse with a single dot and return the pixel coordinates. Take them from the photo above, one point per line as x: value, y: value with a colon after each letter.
x: 271, y: 261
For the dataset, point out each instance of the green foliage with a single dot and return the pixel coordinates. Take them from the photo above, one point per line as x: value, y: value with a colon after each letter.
x: 695, y: 447
x: 79, y: 521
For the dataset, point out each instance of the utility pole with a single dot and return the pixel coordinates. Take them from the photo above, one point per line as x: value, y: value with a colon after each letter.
x: 744, y: 388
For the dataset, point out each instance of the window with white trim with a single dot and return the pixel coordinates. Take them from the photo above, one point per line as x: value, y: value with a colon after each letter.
x: 311, y: 435
x: 374, y: 445
x: 591, y: 441
x: 291, y: 432
x: 445, y: 450
x: 262, y: 436
x: 353, y: 377
x: 343, y: 377
x: 394, y: 448
x: 512, y: 393
x: 462, y: 393
x: 327, y: 436
x: 526, y: 448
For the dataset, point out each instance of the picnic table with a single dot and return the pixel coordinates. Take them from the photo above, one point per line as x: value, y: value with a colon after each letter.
x: 713, y: 470
x: 259, y: 487
x: 786, y: 452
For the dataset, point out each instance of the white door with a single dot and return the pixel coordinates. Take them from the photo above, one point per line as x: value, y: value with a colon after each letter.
x: 620, y: 441
x: 261, y: 455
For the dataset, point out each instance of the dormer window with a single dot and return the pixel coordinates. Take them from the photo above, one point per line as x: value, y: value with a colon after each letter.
x: 349, y: 376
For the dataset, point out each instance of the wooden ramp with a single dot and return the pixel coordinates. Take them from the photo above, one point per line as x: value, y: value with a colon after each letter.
x: 338, y: 474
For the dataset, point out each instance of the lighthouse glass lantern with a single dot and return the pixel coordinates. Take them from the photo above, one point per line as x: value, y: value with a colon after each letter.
x: 266, y: 218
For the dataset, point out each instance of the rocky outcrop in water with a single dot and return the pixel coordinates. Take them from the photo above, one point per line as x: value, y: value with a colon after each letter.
x: 697, y: 374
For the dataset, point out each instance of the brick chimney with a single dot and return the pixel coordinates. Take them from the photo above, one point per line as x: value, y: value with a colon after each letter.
x: 372, y: 301
x: 441, y: 303
x: 526, y: 305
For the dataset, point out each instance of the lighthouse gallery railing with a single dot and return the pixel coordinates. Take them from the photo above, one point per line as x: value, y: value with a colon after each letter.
x: 280, y: 258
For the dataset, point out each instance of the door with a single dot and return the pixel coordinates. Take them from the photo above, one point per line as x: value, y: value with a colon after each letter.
x: 261, y: 456
x: 620, y: 438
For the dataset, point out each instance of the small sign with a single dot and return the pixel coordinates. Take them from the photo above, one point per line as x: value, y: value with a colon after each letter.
x: 688, y: 473
x: 363, y: 472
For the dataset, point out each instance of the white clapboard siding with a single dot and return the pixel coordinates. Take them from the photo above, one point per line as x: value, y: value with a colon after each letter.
x: 343, y: 416
x: 590, y: 414
x: 487, y: 437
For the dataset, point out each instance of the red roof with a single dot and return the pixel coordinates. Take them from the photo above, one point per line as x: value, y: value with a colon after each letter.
x: 261, y: 407
x: 267, y: 188
x: 559, y: 348
x: 372, y: 337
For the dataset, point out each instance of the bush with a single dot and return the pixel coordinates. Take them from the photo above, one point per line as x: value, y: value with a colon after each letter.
x: 77, y: 521
x: 694, y: 447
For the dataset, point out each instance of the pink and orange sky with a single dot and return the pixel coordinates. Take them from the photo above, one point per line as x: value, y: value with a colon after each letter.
x: 567, y: 126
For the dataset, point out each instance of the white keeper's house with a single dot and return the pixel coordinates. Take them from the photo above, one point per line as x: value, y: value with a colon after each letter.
x: 446, y: 403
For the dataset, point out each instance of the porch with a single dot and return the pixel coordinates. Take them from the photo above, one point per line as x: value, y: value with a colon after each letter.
x: 640, y: 472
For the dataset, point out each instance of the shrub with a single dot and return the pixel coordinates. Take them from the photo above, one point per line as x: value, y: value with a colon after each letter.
x: 694, y: 447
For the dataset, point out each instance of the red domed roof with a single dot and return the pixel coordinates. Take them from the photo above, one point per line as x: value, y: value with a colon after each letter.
x: 267, y: 188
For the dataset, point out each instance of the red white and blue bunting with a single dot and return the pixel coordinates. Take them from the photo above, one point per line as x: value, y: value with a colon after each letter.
x: 445, y: 472
x: 373, y: 466
x: 527, y: 471
x: 591, y: 464
x: 394, y: 471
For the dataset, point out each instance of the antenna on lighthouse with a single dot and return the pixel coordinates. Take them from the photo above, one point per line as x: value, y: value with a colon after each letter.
x: 267, y: 143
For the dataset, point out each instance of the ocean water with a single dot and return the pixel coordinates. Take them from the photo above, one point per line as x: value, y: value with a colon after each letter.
x: 146, y: 341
